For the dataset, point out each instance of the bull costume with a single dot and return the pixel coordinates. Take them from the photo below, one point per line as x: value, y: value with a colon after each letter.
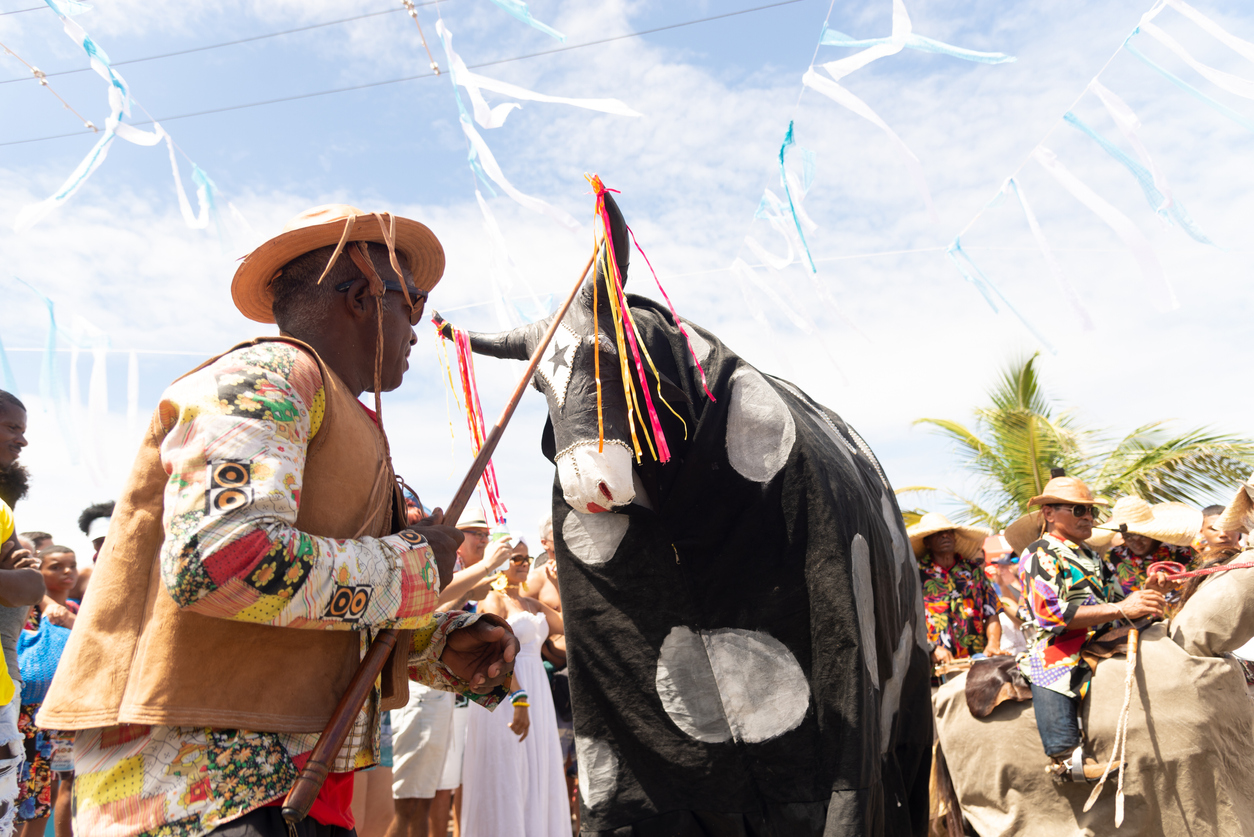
x: 257, y: 545
x: 746, y: 641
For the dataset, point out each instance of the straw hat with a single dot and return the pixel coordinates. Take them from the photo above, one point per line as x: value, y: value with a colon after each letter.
x: 473, y: 519
x: 969, y: 539
x: 1066, y: 490
x: 1028, y: 529
x: 1239, y: 516
x: 324, y: 226
x: 1173, y: 523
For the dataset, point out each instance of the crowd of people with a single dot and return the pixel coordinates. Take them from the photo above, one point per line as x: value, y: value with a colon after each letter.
x: 1054, y: 579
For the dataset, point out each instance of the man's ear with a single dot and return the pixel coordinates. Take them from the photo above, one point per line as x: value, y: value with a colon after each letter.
x: 357, y: 300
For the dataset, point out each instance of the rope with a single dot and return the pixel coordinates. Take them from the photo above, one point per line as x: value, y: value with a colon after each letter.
x: 1175, y: 571
x: 1119, y: 751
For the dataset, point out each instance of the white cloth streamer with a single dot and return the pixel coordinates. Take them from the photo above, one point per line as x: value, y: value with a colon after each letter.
x: 842, y: 96
x: 1135, y: 240
x: 742, y: 269
x: 1242, y: 47
x: 196, y: 222
x: 1064, y: 284
x: 1125, y: 118
x: 494, y: 117
x: 1233, y: 84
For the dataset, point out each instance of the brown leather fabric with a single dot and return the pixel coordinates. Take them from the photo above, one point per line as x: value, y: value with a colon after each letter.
x: 135, y: 657
x: 992, y: 682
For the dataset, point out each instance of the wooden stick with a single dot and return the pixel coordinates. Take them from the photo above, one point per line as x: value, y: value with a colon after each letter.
x: 308, y: 784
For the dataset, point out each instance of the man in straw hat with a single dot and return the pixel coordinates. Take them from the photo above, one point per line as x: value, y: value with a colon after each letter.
x: 958, y: 599
x: 1151, y: 533
x: 259, y: 544
x: 1069, y: 595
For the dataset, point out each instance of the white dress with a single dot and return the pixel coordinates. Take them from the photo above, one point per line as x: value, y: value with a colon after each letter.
x: 513, y: 789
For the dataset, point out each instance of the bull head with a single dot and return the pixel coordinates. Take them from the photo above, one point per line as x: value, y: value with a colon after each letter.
x: 591, y: 480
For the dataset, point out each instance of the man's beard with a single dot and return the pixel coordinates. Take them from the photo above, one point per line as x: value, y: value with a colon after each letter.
x: 14, y: 483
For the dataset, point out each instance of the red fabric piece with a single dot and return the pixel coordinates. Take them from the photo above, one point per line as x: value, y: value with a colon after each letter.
x: 238, y: 558
x: 334, y: 804
x: 373, y: 416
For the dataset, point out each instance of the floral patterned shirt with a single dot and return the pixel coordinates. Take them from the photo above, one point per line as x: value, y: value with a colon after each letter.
x: 959, y: 602
x: 248, y: 418
x: 1060, y: 577
x: 1130, y: 568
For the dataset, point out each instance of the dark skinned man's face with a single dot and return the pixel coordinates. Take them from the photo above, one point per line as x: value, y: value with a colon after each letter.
x: 1061, y: 521
x: 1140, y: 545
x: 941, y: 543
x: 12, y: 434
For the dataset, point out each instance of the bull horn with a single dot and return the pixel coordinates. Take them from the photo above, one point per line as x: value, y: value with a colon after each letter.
x: 515, y: 344
x: 622, y: 252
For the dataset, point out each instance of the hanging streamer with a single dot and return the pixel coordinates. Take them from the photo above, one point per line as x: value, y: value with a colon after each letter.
x: 494, y: 117
x: 1133, y: 238
x: 1128, y: 125
x: 1064, y: 284
x: 1242, y: 47
x: 1145, y: 179
x: 833, y: 38
x: 988, y: 289
x: 508, y: 267
x: 742, y: 269
x: 792, y: 206
x: 1233, y: 84
x: 51, y: 390
x: 841, y: 96
x: 474, y: 420
x: 68, y: 8
x: 520, y: 10
x: 200, y: 220
x: 1188, y: 88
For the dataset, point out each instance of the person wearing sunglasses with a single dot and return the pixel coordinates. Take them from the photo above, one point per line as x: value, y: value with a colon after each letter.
x: 1070, y: 596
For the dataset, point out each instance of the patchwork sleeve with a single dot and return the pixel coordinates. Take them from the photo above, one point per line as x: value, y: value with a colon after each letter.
x: 235, y: 448
x: 426, y: 667
x: 1045, y: 592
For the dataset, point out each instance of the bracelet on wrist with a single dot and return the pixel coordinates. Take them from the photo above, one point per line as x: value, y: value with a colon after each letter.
x: 518, y: 703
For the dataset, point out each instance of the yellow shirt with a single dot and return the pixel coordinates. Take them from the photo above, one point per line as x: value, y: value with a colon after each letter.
x: 7, y: 528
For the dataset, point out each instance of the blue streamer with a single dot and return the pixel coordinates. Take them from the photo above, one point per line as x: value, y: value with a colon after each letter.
x: 1186, y: 87
x: 472, y: 156
x: 1146, y: 180
x: 783, y: 176
x: 68, y: 8
x: 987, y: 288
x: 519, y: 9
x: 831, y: 37
x: 211, y: 191
x: 51, y: 389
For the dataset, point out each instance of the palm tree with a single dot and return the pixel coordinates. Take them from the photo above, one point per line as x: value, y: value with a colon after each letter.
x: 1022, y: 435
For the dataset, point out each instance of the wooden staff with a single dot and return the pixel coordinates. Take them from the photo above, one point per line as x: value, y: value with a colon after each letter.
x: 314, y: 773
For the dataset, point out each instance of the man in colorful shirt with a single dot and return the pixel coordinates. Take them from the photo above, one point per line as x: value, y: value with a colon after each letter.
x: 1151, y: 533
x: 958, y: 599
x: 1069, y: 595
x: 260, y: 543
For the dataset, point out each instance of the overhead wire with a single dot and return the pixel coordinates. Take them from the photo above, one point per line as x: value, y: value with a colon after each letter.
x: 371, y: 84
x: 42, y: 77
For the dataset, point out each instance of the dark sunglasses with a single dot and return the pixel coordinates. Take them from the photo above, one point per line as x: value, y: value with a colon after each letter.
x: 415, y: 312
x: 520, y: 559
x: 1078, y: 510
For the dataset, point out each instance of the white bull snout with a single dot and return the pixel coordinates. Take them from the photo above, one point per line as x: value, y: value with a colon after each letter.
x: 596, y: 482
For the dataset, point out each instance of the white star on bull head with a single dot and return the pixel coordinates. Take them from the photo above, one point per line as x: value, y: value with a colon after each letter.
x: 555, y: 368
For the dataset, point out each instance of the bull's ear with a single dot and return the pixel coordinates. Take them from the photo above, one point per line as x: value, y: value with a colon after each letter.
x: 622, y: 252
x: 548, y: 442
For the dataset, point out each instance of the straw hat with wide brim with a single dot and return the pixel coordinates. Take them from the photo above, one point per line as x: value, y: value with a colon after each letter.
x: 1173, y: 523
x: 1239, y: 515
x: 1066, y: 490
x: 1031, y: 526
x: 323, y: 226
x: 969, y: 539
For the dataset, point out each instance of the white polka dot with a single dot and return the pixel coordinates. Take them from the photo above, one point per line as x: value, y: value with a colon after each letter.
x: 594, y: 538
x: 598, y: 771
x: 864, y: 598
x: 760, y: 427
x: 890, y: 701
x: 731, y: 683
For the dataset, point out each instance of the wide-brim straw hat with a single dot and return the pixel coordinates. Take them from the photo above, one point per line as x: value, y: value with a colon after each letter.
x: 1066, y: 490
x: 323, y: 226
x: 1173, y: 523
x: 1029, y: 528
x: 969, y: 540
x: 1239, y: 515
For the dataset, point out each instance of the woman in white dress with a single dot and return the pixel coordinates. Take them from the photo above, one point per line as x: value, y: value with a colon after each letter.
x: 512, y: 780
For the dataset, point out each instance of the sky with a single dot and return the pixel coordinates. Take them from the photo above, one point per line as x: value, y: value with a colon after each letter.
x: 885, y: 331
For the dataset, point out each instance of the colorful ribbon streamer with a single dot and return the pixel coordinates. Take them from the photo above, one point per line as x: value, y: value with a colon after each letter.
x: 520, y: 10
x: 1133, y: 238
x: 1064, y: 284
x: 474, y: 419
x: 494, y: 117
x: 988, y: 289
x: 1145, y: 179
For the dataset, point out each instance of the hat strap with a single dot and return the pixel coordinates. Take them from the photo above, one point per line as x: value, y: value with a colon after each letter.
x: 389, y: 238
x: 349, y: 223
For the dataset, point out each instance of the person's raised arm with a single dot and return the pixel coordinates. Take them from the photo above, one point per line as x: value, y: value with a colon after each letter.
x: 246, y: 422
x: 21, y: 583
x: 472, y: 578
x: 556, y: 625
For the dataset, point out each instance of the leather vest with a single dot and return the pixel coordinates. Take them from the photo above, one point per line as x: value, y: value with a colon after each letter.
x: 135, y: 657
